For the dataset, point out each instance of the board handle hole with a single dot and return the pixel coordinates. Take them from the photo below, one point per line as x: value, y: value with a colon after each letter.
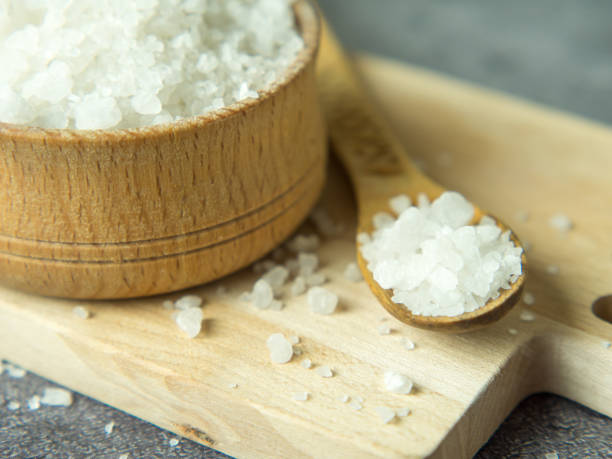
x: 602, y: 308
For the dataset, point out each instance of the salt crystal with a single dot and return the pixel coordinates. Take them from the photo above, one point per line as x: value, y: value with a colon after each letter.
x: 280, y: 348
x: 513, y: 331
x: 188, y: 302
x: 124, y: 456
x: 308, y: 263
x: 353, y: 273
x: 400, y: 203
x: 316, y: 279
x: 81, y: 312
x: 232, y: 385
x: 343, y: 398
x: 385, y: 413
x: 190, y: 321
x: 297, y: 351
x: 173, y: 442
x: 358, y: 398
x: 262, y: 295
x: 384, y: 330
x: 245, y: 297
x: 301, y: 396
x: 561, y: 223
x: 108, y: 428
x: 527, y: 316
x: 355, y: 405
x: 55, y: 396
x: 322, y: 301
x: 409, y: 345
x: 34, y: 403
x: 304, y: 243
x: 325, y: 225
x: 382, y: 220
x: 528, y: 298
x: 363, y: 238
x: 13, y: 405
x: 299, y: 286
x: 293, y: 339
x: 276, y: 277
x: 397, y: 383
x: 606, y: 344
x: 306, y: 363
x: 15, y: 371
x: 276, y: 305
x: 423, y: 201
x: 403, y: 412
x: 324, y: 371
x: 551, y: 456
x: 553, y: 270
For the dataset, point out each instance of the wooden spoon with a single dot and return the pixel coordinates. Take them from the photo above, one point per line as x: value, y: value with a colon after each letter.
x: 380, y: 169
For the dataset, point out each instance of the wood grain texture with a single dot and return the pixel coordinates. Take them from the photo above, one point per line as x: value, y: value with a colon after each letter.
x: 125, y: 213
x: 132, y: 356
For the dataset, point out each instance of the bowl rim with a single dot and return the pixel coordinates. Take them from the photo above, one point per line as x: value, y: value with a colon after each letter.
x: 308, y: 24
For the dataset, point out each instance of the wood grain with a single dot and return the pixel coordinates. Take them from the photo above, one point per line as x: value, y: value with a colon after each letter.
x: 125, y: 213
x: 507, y: 155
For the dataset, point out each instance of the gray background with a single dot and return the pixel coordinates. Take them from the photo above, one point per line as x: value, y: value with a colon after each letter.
x: 558, y: 52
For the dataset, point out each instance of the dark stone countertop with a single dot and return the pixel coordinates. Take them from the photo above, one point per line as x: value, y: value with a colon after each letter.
x: 556, y: 52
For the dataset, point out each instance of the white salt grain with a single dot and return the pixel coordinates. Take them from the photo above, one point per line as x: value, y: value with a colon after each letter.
x: 108, y: 428
x: 34, y: 403
x: 276, y: 277
x: 324, y: 371
x: 55, y: 396
x: 301, y: 396
x: 294, y: 339
x: 316, y: 279
x: 343, y: 398
x: 299, y: 286
x: 276, y: 305
x: 363, y: 238
x: 304, y: 243
x: 173, y: 442
x: 353, y: 273
x: 124, y: 456
x: 400, y: 203
x: 262, y: 294
x: 324, y: 223
x: 355, y: 405
x: 232, y: 385
x: 322, y: 301
x: 99, y: 65
x: 188, y: 302
x: 190, y: 321
x: 297, y: 351
x: 553, y: 270
x: 358, y: 398
x: 384, y: 330
x: 281, y: 350
x: 408, y: 344
x: 528, y: 298
x: 306, y: 363
x: 553, y: 455
x: 385, y: 413
x: 81, y: 312
x: 15, y: 371
x: 513, y: 331
x: 436, y: 263
x: 382, y: 220
x: 397, y: 383
x: 403, y: 412
x: 606, y: 344
x: 561, y: 223
x: 13, y: 405
x: 308, y: 263
x: 527, y: 316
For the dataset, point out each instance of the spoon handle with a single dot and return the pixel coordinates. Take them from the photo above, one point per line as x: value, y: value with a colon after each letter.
x: 373, y: 156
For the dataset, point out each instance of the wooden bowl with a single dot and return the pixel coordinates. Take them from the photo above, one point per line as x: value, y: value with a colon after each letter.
x: 136, y: 212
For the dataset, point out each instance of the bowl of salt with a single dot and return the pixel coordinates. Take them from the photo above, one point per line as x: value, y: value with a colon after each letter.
x: 155, y: 149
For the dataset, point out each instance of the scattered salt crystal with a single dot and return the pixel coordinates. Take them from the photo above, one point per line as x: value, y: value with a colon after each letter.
x: 297, y: 351
x: 263, y: 266
x: 606, y: 344
x: 324, y: 223
x: 232, y: 385
x: 81, y: 312
x: 322, y: 301
x: 353, y: 273
x: 355, y: 405
x: 55, y: 396
x: 553, y: 270
x: 173, y: 442
x: 385, y: 413
x: 34, y: 403
x: 108, y: 428
x: 561, y: 223
x: 303, y: 243
x: 522, y: 216
x: 528, y: 298
x: 316, y: 279
x: 301, y: 396
x: 292, y: 265
x: 294, y: 339
x: 15, y: 371
x: 513, y: 331
x: 276, y: 277
x: 190, y: 321
x: 423, y: 201
x: 262, y: 295
x: 436, y: 263
x: 403, y: 412
x: 324, y: 371
x: 400, y: 203
x: 306, y: 363
x: 551, y: 456
x: 408, y: 344
x: 299, y: 286
x: 343, y: 398
x: 188, y: 302
x: 124, y: 456
x: 168, y: 304
x: 308, y: 263
x: 245, y: 297
x: 527, y: 316
x: 363, y: 238
x: 13, y: 405
x: 276, y: 305
x: 397, y: 383
x: 280, y: 349
x: 382, y: 220
x: 384, y: 330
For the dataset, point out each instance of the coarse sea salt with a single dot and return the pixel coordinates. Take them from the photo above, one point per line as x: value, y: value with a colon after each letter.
x: 385, y: 413
x: 103, y: 65
x: 56, y: 396
x: 281, y: 350
x: 34, y: 403
x: 560, y: 222
x: 353, y: 273
x: 306, y: 363
x: 403, y: 412
x: 324, y: 371
x: 14, y: 371
x: 188, y: 302
x: 108, y: 428
x: 190, y: 321
x: 173, y: 442
x: 527, y: 316
x: 13, y: 405
x: 436, y: 263
x: 301, y: 396
x: 397, y: 383
x: 81, y: 312
x: 408, y: 344
x: 528, y: 298
x: 322, y: 301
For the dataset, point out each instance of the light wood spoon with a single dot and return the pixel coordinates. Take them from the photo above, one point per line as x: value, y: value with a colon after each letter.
x: 380, y: 169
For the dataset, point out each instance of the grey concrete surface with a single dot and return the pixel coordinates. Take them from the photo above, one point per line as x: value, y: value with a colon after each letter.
x: 557, y: 52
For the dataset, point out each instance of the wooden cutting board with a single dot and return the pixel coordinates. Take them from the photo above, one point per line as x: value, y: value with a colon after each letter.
x: 506, y: 155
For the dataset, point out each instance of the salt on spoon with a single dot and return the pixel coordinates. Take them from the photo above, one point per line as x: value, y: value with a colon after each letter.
x: 385, y: 157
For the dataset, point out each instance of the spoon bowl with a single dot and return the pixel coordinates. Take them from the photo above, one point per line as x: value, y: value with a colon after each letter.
x: 380, y: 169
